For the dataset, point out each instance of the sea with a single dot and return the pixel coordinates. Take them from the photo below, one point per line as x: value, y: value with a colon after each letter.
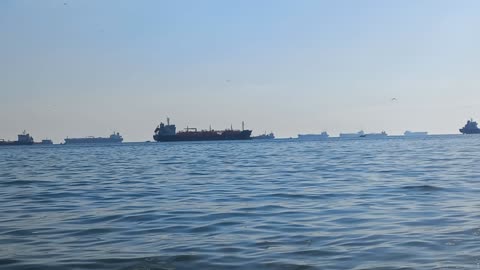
x: 390, y: 203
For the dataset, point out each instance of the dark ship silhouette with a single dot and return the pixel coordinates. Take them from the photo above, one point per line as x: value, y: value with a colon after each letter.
x: 167, y: 133
x: 23, y: 139
x: 470, y: 128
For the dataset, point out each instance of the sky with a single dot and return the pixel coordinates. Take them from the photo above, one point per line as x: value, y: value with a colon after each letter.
x: 75, y: 68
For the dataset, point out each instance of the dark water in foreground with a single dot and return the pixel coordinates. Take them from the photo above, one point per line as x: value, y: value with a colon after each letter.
x: 373, y: 204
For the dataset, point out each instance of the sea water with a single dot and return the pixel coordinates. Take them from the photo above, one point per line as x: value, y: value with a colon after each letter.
x: 393, y: 203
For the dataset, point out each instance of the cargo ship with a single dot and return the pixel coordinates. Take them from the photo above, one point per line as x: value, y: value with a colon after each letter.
x: 168, y: 133
x: 323, y: 135
x: 415, y: 133
x: 114, y: 138
x: 23, y: 139
x: 45, y: 142
x: 352, y: 135
x: 374, y: 135
x: 470, y: 128
x: 264, y: 136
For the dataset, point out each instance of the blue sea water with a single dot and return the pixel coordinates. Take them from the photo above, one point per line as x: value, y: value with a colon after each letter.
x: 391, y: 203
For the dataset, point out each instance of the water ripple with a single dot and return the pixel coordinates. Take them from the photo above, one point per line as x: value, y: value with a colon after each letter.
x: 335, y: 204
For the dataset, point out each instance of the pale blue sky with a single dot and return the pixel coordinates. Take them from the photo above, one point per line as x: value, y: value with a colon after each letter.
x: 79, y: 68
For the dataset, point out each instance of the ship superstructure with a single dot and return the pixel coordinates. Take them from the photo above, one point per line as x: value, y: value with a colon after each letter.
x: 471, y: 127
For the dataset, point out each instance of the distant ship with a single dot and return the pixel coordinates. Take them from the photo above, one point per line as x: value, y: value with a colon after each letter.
x: 114, y: 138
x: 470, y: 128
x: 23, y: 139
x: 352, y: 135
x: 265, y: 136
x: 45, y: 142
x: 413, y: 134
x: 323, y: 135
x: 374, y: 135
x: 167, y: 133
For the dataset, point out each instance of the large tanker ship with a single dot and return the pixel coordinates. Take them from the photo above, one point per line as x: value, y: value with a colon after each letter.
x: 168, y: 133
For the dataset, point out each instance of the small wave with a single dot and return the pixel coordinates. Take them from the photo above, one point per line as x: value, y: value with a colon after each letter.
x: 224, y: 206
x: 93, y: 231
x: 23, y: 182
x: 423, y: 188
x: 5, y: 262
x: 275, y: 265
x: 301, y: 196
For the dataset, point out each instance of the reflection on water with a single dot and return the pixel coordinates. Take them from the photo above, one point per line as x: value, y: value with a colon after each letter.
x: 371, y: 204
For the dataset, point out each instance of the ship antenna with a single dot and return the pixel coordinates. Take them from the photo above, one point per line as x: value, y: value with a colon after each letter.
x: 168, y: 121
x: 243, y: 126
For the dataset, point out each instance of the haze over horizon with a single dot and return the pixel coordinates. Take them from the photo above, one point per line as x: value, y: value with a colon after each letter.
x: 81, y: 68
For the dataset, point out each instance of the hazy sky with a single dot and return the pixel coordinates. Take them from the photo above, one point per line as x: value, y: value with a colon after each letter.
x: 80, y: 68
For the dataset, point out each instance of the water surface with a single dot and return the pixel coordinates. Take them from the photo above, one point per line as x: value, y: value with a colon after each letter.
x: 336, y: 204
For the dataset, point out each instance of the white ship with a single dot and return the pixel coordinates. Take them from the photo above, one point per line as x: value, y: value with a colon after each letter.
x: 375, y: 135
x: 352, y: 135
x: 323, y: 135
x: 114, y: 138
